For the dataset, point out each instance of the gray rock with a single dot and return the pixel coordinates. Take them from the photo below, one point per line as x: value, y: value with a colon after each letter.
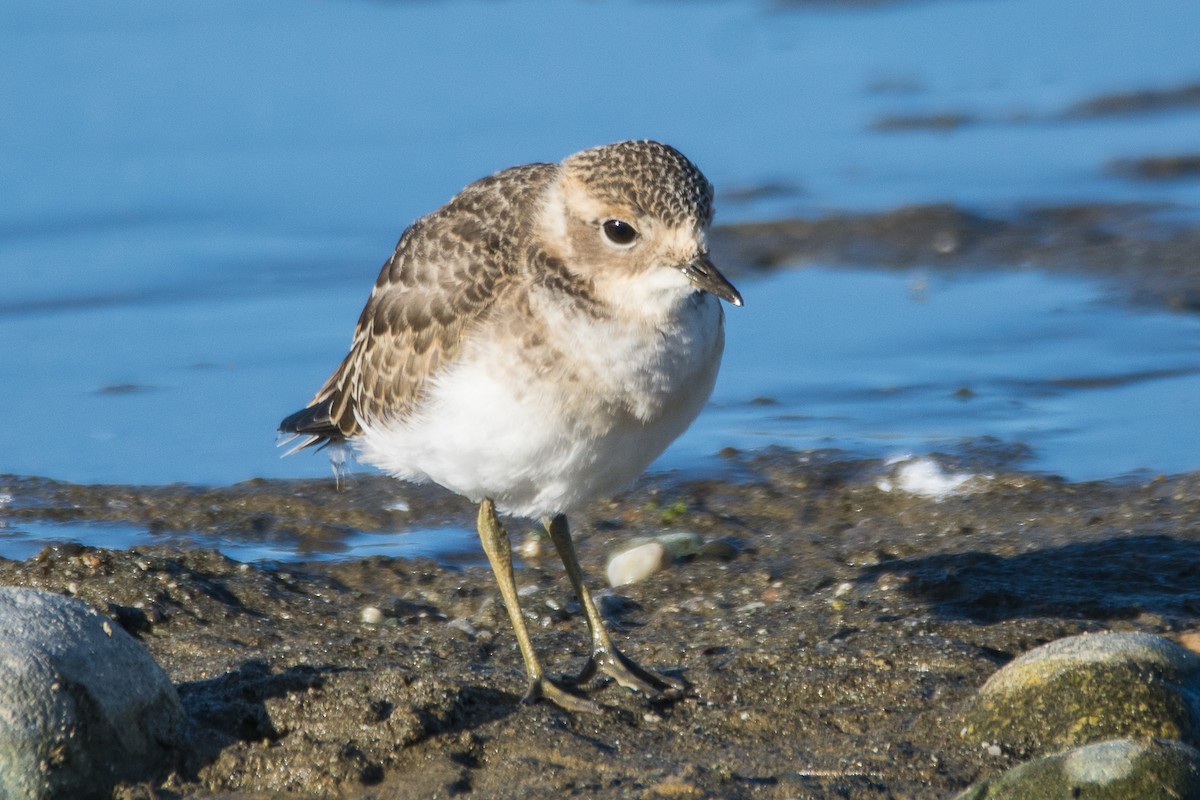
x: 680, y: 544
x: 83, y: 706
x: 719, y: 549
x: 1089, y: 688
x: 1122, y: 769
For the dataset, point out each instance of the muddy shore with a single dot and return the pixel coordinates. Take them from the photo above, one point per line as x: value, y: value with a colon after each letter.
x: 829, y: 653
x: 1146, y: 253
x: 830, y: 642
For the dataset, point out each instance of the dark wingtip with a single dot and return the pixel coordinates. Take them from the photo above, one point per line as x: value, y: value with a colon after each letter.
x: 314, y: 423
x: 305, y: 420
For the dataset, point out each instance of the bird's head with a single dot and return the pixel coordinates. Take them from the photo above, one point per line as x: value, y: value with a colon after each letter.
x: 633, y: 218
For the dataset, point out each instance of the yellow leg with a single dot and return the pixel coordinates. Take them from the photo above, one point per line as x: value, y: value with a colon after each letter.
x: 605, y: 656
x: 499, y: 552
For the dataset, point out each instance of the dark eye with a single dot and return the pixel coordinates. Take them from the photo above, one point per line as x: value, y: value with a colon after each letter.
x: 619, y: 232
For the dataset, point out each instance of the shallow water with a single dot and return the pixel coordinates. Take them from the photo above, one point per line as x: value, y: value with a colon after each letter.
x: 872, y: 362
x: 196, y: 201
x: 449, y: 545
x: 886, y: 363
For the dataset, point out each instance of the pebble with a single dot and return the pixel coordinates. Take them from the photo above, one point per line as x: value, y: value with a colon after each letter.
x: 1089, y: 688
x: 463, y: 626
x: 642, y: 557
x: 637, y: 563
x: 84, y: 705
x: 752, y: 606
x: 531, y: 548
x: 372, y: 615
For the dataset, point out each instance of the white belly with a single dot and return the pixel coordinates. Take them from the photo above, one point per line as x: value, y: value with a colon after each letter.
x: 508, y: 428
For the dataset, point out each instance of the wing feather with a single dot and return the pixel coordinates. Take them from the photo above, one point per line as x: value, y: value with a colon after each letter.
x: 446, y: 273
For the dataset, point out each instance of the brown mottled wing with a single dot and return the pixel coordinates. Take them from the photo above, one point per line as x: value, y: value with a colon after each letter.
x: 446, y: 273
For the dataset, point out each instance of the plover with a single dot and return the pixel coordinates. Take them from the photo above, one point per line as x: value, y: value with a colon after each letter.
x: 533, y: 345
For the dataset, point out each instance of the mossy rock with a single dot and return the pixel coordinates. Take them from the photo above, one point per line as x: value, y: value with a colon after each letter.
x: 1086, y: 689
x: 1122, y: 769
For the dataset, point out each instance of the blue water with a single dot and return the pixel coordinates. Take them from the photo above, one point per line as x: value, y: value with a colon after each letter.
x: 878, y: 363
x: 195, y: 200
x: 449, y: 545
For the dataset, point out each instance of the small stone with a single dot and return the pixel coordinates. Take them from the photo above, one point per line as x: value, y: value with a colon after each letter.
x: 753, y: 606
x: 636, y: 564
x: 531, y: 548
x: 463, y: 626
x: 372, y: 615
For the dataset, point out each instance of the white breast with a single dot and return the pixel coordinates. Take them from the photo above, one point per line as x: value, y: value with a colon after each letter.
x: 544, y: 432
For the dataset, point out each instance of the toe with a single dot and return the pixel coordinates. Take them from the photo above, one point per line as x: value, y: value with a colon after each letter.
x: 545, y: 689
x: 629, y: 674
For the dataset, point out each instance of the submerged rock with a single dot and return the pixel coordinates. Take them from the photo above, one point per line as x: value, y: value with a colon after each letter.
x: 1122, y: 769
x: 1086, y: 689
x: 82, y: 704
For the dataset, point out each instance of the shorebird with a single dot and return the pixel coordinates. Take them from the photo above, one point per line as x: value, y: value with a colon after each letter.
x: 533, y: 345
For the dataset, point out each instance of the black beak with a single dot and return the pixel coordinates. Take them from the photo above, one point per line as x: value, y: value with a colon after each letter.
x: 704, y: 275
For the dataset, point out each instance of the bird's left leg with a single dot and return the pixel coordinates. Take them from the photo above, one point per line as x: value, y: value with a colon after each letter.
x: 605, y: 656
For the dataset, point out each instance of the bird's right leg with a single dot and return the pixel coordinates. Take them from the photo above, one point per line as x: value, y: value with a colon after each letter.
x: 499, y: 552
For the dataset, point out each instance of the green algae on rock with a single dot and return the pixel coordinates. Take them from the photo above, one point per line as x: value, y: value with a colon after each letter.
x: 1121, y: 769
x: 1089, y: 688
